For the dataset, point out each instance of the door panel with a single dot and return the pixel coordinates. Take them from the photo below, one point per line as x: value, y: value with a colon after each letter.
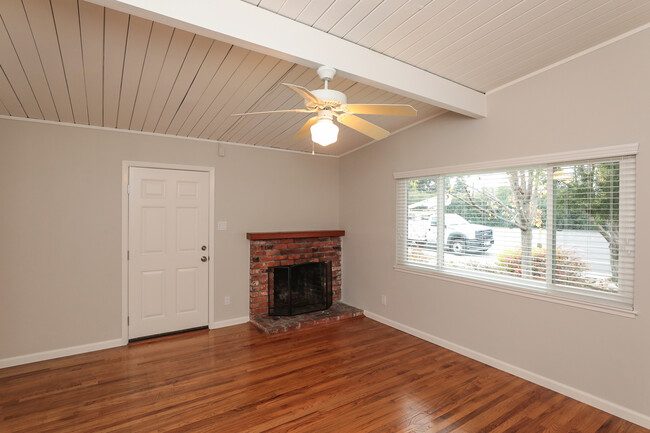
x: 153, y: 294
x: 168, y: 225
x: 187, y: 220
x: 186, y: 295
x: 152, y: 188
x: 188, y: 190
x: 153, y: 230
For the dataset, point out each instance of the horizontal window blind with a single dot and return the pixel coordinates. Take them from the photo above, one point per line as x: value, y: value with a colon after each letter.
x: 564, y: 229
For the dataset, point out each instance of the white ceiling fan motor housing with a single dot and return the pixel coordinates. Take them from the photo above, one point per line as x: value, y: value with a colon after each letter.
x: 332, y: 98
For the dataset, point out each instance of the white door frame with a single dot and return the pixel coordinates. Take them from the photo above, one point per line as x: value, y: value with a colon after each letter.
x: 125, y: 236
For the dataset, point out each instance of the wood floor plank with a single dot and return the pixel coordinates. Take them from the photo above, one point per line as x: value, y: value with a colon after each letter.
x: 353, y: 376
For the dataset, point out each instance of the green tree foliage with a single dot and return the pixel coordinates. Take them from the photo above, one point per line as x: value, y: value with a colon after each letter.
x: 499, y: 215
x: 587, y: 195
x: 421, y: 189
x: 423, y: 185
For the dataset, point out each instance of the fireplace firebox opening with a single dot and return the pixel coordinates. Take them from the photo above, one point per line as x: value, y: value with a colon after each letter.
x: 299, y: 289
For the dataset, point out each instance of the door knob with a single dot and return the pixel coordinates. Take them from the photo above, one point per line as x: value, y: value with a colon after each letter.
x: 204, y: 259
x: 203, y: 248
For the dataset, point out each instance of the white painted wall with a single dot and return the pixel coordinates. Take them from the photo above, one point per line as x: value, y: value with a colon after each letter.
x: 600, y: 99
x: 60, y: 224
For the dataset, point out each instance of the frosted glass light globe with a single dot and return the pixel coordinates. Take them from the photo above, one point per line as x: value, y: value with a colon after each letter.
x: 324, y: 132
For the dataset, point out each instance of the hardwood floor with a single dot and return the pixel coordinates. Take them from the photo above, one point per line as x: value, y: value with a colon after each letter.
x: 353, y: 376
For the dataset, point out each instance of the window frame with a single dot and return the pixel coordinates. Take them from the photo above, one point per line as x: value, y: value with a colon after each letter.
x: 543, y: 290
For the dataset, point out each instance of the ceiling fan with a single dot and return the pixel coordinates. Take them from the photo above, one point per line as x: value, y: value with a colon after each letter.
x: 329, y: 104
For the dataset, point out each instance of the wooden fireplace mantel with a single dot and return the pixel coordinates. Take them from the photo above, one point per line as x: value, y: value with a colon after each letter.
x: 294, y: 235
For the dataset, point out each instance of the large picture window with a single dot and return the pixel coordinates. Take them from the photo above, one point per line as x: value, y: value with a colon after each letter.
x: 559, y: 229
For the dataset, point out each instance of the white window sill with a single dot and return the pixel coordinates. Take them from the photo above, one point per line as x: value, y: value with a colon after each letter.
x: 504, y: 288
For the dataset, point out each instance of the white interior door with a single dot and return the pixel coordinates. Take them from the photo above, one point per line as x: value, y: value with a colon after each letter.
x: 168, y: 250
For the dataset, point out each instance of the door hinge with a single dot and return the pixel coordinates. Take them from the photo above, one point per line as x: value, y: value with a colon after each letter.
x: 128, y: 320
x: 128, y: 188
x: 128, y: 255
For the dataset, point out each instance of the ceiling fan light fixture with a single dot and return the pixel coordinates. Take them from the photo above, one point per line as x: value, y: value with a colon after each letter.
x: 324, y: 132
x: 329, y: 103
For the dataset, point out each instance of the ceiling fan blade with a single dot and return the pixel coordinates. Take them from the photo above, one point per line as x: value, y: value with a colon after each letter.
x: 385, y: 109
x: 304, y: 93
x: 363, y: 126
x: 305, y: 131
x: 274, y: 111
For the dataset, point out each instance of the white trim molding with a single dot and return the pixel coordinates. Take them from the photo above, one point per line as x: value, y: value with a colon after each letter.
x: 549, y: 158
x: 562, y: 388
x: 59, y: 353
x: 514, y: 289
x: 229, y: 322
x: 568, y: 59
x: 92, y: 347
x: 168, y: 136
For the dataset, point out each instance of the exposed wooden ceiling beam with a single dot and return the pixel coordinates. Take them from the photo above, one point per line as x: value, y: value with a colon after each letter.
x: 245, y: 25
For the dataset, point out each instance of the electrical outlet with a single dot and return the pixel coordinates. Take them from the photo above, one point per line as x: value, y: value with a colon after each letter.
x: 226, y: 300
x: 383, y: 299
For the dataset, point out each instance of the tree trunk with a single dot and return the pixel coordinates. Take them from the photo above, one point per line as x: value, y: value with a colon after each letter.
x: 526, y: 253
x: 613, y: 260
x: 609, y: 232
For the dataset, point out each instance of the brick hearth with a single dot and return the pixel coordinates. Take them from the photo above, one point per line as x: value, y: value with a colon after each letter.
x: 293, y: 248
x: 275, y: 324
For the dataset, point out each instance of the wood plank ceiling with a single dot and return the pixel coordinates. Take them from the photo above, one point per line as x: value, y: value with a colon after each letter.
x: 76, y: 62
x: 481, y: 44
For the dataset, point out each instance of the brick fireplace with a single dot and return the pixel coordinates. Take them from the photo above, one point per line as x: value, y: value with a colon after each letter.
x: 268, y: 250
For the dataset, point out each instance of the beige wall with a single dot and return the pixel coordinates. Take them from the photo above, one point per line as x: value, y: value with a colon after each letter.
x: 60, y: 224
x: 600, y: 99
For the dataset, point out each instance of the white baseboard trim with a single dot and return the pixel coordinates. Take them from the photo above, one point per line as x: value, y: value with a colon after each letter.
x: 229, y: 322
x: 582, y: 396
x: 91, y: 347
x: 58, y: 353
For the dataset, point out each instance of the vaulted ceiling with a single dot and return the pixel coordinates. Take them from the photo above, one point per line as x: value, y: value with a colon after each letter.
x: 481, y: 44
x: 78, y: 62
